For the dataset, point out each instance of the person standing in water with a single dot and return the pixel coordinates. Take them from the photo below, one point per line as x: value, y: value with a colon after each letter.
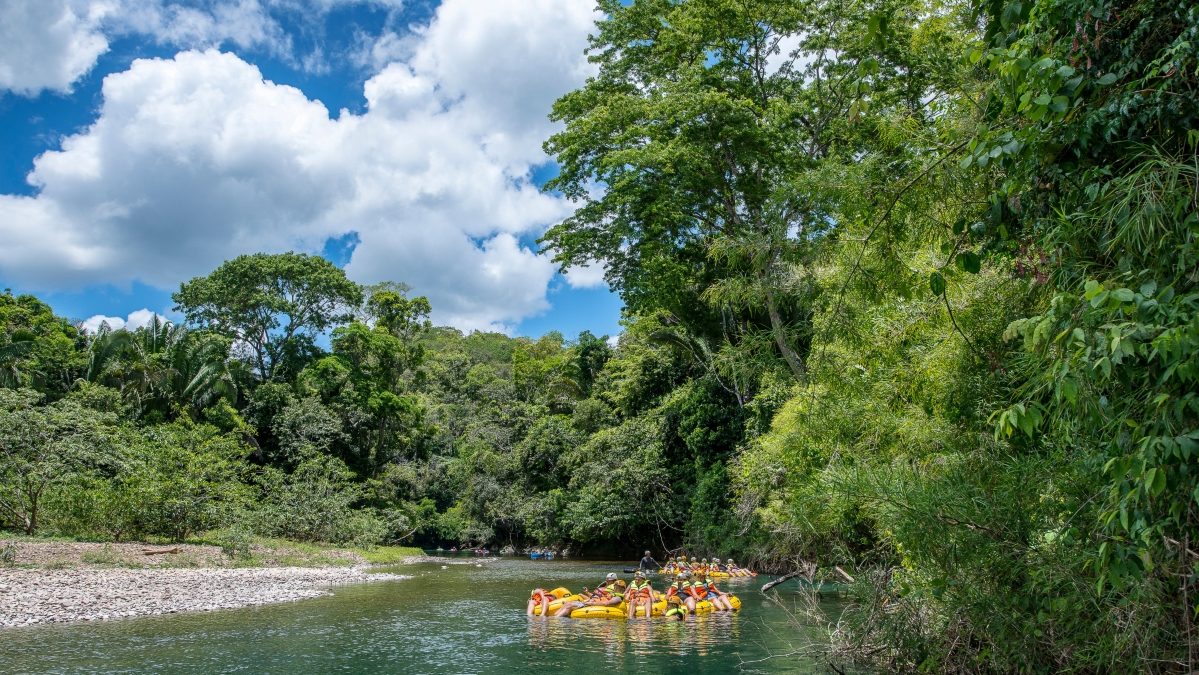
x: 648, y: 564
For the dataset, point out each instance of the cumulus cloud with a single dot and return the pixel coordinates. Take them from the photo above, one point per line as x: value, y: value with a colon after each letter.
x: 586, y: 276
x: 94, y: 323
x: 48, y: 44
x: 136, y: 319
x: 198, y: 158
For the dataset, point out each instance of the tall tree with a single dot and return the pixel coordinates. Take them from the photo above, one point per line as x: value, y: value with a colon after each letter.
x: 273, y: 304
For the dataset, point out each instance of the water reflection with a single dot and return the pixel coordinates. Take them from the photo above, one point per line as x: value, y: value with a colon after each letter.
x: 617, y: 638
x: 457, y: 620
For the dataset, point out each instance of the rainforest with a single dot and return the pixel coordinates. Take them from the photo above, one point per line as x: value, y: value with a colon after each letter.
x: 911, y: 292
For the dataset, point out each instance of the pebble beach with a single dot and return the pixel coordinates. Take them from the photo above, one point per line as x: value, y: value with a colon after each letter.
x: 38, y: 594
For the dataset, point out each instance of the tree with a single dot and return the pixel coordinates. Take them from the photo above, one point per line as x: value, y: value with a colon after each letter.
x: 37, y: 348
x: 41, y: 446
x: 272, y: 304
x: 698, y: 136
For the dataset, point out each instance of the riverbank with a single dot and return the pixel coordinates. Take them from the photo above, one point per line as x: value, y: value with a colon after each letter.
x: 60, y: 581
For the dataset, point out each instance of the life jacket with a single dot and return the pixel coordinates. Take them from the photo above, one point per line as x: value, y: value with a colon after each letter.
x: 679, y: 610
x: 697, y: 590
x: 640, y: 590
x: 676, y: 588
x: 711, y: 585
x: 539, y: 593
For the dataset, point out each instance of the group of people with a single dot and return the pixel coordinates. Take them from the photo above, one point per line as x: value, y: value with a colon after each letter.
x: 704, y: 567
x: 681, y: 596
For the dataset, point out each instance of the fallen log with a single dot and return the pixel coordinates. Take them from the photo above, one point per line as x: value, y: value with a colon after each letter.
x: 160, y: 551
x: 771, y: 584
x: 843, y: 573
x: 806, y: 570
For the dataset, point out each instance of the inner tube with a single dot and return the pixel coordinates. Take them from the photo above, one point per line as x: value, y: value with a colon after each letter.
x: 555, y: 605
x: 597, y: 613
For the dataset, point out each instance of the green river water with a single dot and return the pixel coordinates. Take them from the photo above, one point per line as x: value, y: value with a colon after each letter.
x: 456, y: 618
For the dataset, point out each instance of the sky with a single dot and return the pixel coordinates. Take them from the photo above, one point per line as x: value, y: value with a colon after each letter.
x: 144, y: 142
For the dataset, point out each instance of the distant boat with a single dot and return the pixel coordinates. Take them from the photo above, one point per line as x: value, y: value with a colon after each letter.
x: 534, y: 555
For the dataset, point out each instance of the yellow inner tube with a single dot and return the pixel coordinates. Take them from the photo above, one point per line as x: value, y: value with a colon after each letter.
x: 658, y: 608
x: 597, y: 613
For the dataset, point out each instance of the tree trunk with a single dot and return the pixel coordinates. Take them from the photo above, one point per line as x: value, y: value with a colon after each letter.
x: 780, y: 339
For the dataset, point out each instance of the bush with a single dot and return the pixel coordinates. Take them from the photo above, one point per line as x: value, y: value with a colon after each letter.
x: 315, y: 503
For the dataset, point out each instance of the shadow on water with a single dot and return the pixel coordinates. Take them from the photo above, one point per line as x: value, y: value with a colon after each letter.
x: 464, y: 617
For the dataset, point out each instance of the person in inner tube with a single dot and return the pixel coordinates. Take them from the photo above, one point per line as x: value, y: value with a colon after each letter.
x: 608, y: 594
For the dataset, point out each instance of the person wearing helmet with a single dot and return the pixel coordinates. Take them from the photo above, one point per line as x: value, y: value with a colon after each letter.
x: 677, y: 612
x: 716, y: 596
x: 696, y: 589
x: 542, y: 597
x: 640, y: 593
x: 608, y: 594
x: 677, y: 592
x: 703, y: 567
x: 648, y: 563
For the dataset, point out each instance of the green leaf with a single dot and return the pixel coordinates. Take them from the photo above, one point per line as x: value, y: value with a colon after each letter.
x: 1107, y: 79
x: 936, y: 283
x: 1157, y: 484
x: 968, y: 261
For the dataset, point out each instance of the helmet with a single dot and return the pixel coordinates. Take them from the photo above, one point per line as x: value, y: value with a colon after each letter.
x: 693, y: 559
x: 704, y: 560
x: 680, y: 576
x: 611, y: 576
x: 639, y: 575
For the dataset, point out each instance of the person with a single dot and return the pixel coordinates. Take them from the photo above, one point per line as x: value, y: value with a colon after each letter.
x: 696, y: 590
x: 717, y: 597
x: 608, y: 594
x: 703, y: 567
x: 678, y: 591
x: 542, y: 597
x: 640, y: 593
x: 675, y: 610
x: 648, y: 563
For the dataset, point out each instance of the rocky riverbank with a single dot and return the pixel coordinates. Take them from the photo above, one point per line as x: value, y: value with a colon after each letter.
x: 30, y: 596
x: 59, y: 582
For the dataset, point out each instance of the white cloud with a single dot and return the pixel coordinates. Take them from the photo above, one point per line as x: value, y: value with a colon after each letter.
x: 48, y: 44
x: 240, y: 23
x: 196, y: 159
x: 136, y: 319
x: 586, y: 276
x: 142, y: 317
x: 93, y: 324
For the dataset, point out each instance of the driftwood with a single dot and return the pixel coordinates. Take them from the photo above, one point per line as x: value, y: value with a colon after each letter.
x: 806, y: 570
x: 844, y: 574
x: 160, y: 551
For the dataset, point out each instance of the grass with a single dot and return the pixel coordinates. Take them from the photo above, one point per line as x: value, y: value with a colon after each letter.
x: 387, y: 555
x: 241, y: 549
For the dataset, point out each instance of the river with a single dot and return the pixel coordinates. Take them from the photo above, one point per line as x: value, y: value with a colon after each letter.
x: 455, y: 618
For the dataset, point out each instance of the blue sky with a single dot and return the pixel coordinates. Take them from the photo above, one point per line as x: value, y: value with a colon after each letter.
x: 147, y: 140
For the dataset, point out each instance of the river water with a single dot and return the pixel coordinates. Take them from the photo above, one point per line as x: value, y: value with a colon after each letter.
x: 455, y: 618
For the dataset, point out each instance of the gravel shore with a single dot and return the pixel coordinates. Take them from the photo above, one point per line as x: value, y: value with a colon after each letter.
x: 40, y: 596
x: 31, y: 596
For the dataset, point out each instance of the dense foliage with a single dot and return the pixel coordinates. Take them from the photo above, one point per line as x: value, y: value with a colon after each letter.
x: 909, y: 285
